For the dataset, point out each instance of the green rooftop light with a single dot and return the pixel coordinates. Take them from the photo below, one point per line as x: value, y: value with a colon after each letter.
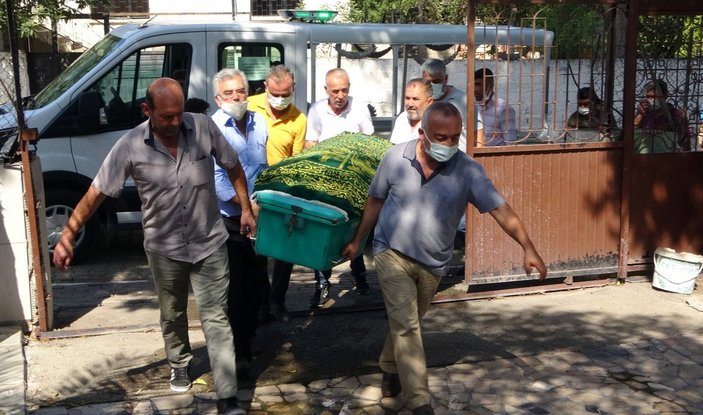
x: 309, y: 16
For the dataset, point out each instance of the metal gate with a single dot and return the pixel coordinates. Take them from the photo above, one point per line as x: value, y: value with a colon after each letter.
x: 596, y: 199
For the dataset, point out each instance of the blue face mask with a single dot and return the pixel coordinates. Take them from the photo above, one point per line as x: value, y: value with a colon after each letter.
x: 440, y: 152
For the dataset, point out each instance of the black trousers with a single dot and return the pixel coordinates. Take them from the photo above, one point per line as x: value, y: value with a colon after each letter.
x: 357, y: 266
x: 280, y: 279
x: 248, y: 287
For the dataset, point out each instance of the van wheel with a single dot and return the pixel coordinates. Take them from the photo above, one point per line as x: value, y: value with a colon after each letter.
x: 59, y: 207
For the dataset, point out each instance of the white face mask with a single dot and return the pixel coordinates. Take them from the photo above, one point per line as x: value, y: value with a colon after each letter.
x: 437, y: 91
x: 584, y: 110
x: 279, y: 103
x: 440, y: 152
x: 235, y: 109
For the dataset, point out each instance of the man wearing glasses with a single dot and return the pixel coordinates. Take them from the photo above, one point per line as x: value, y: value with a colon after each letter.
x: 246, y: 132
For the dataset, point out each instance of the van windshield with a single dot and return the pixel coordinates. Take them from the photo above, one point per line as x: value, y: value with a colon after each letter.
x: 87, y: 61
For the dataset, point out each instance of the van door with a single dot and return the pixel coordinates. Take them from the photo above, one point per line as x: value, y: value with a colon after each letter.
x: 104, y: 111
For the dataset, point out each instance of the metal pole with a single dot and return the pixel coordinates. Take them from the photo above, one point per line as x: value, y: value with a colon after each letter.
x: 628, y: 122
x: 30, y: 201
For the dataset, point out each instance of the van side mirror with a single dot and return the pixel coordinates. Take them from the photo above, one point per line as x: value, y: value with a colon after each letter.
x: 90, y: 106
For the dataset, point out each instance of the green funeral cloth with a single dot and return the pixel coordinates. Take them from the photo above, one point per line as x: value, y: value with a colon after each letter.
x: 338, y: 171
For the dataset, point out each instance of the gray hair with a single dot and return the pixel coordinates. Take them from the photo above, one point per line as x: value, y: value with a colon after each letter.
x: 434, y: 67
x: 447, y: 110
x: 421, y: 82
x: 279, y: 73
x: 226, y: 74
x: 336, y: 72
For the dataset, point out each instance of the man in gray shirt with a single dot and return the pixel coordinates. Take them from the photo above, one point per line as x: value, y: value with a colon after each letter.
x: 171, y: 158
x: 419, y: 193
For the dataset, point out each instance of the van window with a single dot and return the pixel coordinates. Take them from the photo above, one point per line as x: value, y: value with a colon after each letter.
x: 254, y: 59
x: 118, y: 95
x: 87, y: 61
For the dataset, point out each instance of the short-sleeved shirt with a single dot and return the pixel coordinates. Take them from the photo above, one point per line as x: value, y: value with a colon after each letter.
x: 286, y: 134
x: 323, y: 123
x: 181, y: 219
x: 419, y: 216
x: 499, y: 122
x: 251, y: 149
x: 403, y: 131
x: 457, y: 97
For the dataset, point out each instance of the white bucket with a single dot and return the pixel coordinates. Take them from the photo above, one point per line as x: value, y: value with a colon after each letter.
x: 676, y: 271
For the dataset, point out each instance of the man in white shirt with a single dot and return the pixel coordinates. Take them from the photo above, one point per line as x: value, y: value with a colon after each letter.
x: 327, y: 118
x: 435, y: 71
x: 499, y: 120
x: 337, y: 113
x: 418, y: 96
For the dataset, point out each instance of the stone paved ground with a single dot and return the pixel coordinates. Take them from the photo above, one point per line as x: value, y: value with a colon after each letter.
x: 657, y: 376
x: 611, y: 350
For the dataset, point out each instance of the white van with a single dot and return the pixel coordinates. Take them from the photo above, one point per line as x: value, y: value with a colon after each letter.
x: 91, y: 104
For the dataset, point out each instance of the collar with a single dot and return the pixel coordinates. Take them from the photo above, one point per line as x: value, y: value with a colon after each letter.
x: 411, y: 155
x: 186, y: 125
x: 222, y: 118
x: 489, y: 100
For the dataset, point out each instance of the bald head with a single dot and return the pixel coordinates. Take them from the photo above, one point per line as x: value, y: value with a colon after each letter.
x: 164, y: 89
x: 336, y: 73
x: 164, y: 107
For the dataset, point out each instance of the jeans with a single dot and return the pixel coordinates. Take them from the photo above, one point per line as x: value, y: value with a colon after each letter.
x: 210, y: 281
x: 408, y: 288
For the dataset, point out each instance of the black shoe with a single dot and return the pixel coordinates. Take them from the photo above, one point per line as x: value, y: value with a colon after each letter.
x: 321, y: 295
x: 180, y: 379
x: 229, y: 406
x: 423, y: 410
x: 280, y: 312
x: 362, y: 286
x: 390, y: 385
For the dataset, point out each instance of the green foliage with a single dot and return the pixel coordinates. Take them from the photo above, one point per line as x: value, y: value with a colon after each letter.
x: 30, y: 14
x: 684, y: 36
x: 693, y: 33
x: 576, y: 27
x: 408, y: 11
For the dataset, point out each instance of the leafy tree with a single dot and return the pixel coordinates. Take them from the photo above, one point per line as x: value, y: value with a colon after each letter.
x: 684, y: 35
x: 408, y: 11
x: 30, y: 14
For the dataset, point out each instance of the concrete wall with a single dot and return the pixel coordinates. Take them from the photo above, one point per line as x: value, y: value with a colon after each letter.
x: 14, y: 246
